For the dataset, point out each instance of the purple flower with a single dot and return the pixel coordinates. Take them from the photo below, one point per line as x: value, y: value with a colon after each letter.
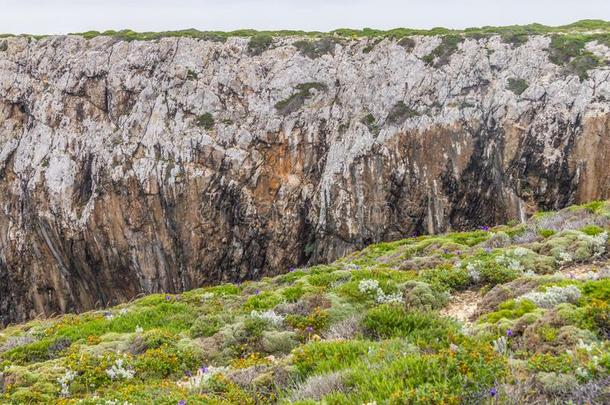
x: 257, y: 291
x: 188, y: 374
x: 168, y: 298
x: 182, y: 402
x: 493, y: 392
x: 458, y: 252
x: 509, y: 333
x: 291, y: 269
x: 414, y: 235
x: 203, y: 369
x: 487, y: 250
x: 309, y: 329
x: 484, y: 228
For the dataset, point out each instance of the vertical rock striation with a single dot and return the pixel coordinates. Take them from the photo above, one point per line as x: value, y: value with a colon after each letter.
x: 130, y: 167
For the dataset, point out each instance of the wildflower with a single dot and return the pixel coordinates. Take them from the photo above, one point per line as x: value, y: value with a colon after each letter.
x: 458, y: 252
x: 309, y: 329
x: 203, y: 369
x: 493, y: 392
x: 118, y: 371
x: 139, y: 329
x: 268, y: 316
x: 168, y: 298
x: 484, y: 228
x: 291, y: 269
x: 414, y: 235
x: 188, y: 373
x: 487, y: 250
x: 509, y: 333
x: 182, y: 402
x: 257, y: 291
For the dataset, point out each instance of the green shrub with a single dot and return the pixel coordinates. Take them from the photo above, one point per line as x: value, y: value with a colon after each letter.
x: 315, y: 49
x: 293, y: 294
x: 565, y: 47
x: 546, y: 233
x: 419, y: 295
x: 206, y: 325
x: 157, y: 337
x: 441, y: 54
x: 517, y: 86
x: 206, y: 121
x: 281, y: 342
x: 370, y: 122
x: 263, y: 301
x: 400, y: 112
x: 557, y: 384
x: 591, y: 230
x: 166, y: 361
x: 510, y: 309
x: 447, y: 278
x: 389, y: 321
x: 296, y: 100
x: 325, y: 357
x: 259, y: 43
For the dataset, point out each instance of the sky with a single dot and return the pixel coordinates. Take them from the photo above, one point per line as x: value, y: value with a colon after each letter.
x: 64, y: 16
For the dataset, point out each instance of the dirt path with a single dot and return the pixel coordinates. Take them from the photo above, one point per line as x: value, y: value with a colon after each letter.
x: 462, y: 306
x: 580, y: 271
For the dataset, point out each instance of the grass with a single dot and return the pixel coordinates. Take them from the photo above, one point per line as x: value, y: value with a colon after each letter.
x: 511, y: 34
x: 267, y: 341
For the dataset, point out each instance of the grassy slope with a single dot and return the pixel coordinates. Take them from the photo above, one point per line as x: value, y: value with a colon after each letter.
x: 598, y: 26
x: 369, y: 327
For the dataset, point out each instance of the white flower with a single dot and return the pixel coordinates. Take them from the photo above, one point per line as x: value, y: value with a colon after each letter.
x: 139, y: 329
x: 564, y: 258
x: 64, y: 381
x: 118, y: 372
x: 520, y: 251
x: 473, y: 272
x: 372, y: 287
x: 553, y: 296
x: 383, y: 298
x: 501, y: 345
x: 268, y: 316
x: 368, y: 286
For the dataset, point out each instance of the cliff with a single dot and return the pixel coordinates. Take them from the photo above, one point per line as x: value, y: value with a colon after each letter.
x: 146, y: 166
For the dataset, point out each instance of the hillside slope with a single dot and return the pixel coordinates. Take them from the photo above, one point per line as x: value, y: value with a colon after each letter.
x: 512, y: 314
x: 130, y: 166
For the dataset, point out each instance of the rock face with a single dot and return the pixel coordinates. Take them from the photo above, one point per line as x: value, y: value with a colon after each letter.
x: 131, y: 167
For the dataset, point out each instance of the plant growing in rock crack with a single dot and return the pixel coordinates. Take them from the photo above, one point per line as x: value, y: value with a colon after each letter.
x: 297, y: 99
x: 517, y: 86
x: 205, y: 121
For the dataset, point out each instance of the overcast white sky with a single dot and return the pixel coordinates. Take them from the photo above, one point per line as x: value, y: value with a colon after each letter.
x: 63, y: 16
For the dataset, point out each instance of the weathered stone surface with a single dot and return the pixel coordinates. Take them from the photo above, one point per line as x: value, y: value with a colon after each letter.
x: 111, y: 185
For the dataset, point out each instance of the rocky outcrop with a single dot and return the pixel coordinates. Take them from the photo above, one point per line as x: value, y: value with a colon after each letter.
x: 130, y: 167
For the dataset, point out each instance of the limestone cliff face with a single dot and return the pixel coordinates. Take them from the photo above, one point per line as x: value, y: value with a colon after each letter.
x: 130, y: 167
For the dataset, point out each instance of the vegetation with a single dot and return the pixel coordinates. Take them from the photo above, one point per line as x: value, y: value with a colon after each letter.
x: 297, y: 99
x: 374, y: 326
x: 259, y: 43
x: 316, y: 49
x: 400, y: 112
x: 517, y: 86
x: 206, y: 121
x: 515, y: 35
x: 441, y: 54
